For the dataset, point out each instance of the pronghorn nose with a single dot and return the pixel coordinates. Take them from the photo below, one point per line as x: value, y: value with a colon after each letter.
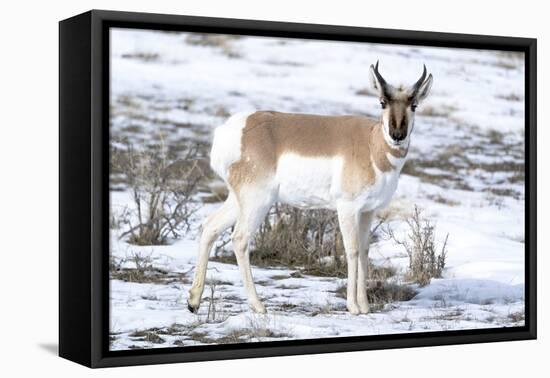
x: 398, y: 134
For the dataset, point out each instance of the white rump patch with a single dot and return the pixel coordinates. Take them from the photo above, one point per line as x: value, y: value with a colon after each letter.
x: 226, y: 144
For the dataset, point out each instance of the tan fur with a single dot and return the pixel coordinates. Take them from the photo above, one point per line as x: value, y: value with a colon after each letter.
x: 268, y: 135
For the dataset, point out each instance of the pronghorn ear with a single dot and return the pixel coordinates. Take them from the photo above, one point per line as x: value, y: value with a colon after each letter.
x: 374, y: 82
x: 424, y: 89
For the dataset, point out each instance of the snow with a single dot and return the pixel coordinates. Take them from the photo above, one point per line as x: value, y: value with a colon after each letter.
x: 185, y: 90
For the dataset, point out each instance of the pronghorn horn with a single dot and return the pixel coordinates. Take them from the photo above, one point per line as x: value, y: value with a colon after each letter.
x: 417, y: 85
x: 381, y: 80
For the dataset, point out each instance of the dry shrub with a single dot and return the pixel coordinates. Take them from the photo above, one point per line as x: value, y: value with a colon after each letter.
x: 306, y: 239
x: 162, y: 188
x: 425, y: 261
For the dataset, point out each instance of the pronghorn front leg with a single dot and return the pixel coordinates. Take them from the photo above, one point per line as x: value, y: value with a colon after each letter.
x: 365, y: 222
x: 348, y: 218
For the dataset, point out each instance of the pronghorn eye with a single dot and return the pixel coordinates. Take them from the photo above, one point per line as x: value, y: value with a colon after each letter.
x: 413, y: 107
x: 383, y: 104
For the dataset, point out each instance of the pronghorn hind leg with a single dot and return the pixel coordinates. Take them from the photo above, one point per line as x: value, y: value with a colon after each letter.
x: 215, y: 224
x: 348, y: 219
x: 253, y: 207
x: 365, y: 222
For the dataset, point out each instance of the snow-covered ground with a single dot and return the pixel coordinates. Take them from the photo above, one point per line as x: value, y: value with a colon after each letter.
x: 465, y: 171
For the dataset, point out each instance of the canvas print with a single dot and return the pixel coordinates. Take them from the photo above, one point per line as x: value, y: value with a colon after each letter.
x: 270, y: 189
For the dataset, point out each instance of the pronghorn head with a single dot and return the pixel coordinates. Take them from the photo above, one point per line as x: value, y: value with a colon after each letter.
x: 399, y: 104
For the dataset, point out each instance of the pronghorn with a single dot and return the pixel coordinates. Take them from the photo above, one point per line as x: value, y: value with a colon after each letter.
x: 350, y: 164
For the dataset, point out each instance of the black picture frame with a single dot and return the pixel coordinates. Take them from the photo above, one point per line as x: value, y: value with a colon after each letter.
x: 84, y: 204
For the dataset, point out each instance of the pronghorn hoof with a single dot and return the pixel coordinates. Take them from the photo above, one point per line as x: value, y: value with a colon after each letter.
x: 192, y: 309
x: 353, y: 309
x: 258, y: 308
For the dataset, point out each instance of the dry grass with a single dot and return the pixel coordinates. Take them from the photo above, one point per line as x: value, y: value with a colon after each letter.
x: 139, y: 268
x: 256, y: 329
x: 437, y: 111
x: 381, y: 293
x: 512, y: 97
x: 143, y: 56
x: 222, y: 42
x: 366, y: 92
x: 147, y: 336
x: 507, y: 64
x: 517, y: 317
x: 443, y: 200
x: 216, y: 312
x: 449, y: 164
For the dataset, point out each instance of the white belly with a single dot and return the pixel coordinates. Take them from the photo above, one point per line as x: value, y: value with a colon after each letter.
x: 315, y: 183
x: 308, y: 182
